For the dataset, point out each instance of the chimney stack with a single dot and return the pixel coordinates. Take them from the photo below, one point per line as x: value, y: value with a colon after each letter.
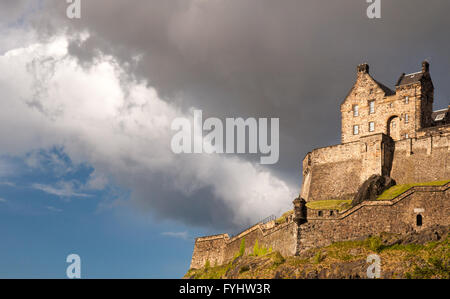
x: 363, y: 68
x: 425, y: 67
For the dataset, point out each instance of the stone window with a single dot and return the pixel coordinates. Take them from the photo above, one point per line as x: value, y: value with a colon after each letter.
x: 406, y: 118
x: 355, y: 130
x: 331, y: 213
x: 406, y: 100
x: 419, y: 220
x: 320, y: 213
x: 391, y: 105
x: 371, y: 107
x: 406, y: 135
x: 371, y: 126
x: 355, y: 110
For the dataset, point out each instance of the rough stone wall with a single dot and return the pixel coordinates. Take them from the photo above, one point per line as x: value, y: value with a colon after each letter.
x: 324, y: 227
x: 221, y: 249
x: 423, y: 159
x: 337, y: 171
x: 210, y: 249
x: 370, y: 218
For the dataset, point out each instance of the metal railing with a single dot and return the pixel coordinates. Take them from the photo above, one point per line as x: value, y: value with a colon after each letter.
x: 263, y: 221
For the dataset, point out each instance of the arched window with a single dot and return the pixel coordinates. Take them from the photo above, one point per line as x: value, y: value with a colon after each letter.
x: 419, y: 220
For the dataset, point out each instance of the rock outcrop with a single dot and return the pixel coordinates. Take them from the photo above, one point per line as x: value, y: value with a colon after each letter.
x: 372, y: 188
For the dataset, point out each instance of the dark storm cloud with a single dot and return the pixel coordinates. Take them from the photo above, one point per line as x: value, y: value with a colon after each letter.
x: 290, y: 59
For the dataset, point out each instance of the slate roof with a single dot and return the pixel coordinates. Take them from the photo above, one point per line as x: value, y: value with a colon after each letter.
x: 387, y: 90
x: 440, y: 115
x: 409, y: 78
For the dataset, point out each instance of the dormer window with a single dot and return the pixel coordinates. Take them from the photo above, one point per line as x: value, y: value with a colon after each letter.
x: 371, y: 107
x: 355, y: 110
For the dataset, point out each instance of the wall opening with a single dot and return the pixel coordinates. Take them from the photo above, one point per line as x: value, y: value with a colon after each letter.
x: 419, y: 220
x: 320, y: 213
x: 393, y: 127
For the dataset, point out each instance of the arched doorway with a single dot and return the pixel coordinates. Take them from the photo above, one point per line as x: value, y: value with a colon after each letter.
x: 393, y: 127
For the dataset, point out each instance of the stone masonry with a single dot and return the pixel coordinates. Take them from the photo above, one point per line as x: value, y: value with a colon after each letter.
x: 384, y: 132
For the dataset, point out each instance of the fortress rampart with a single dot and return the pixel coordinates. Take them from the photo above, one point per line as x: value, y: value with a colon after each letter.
x: 430, y: 203
x: 336, y: 172
x: 389, y: 134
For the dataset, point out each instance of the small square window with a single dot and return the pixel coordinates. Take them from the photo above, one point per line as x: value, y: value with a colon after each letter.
x: 371, y: 107
x: 355, y: 110
x: 371, y: 126
x: 355, y: 130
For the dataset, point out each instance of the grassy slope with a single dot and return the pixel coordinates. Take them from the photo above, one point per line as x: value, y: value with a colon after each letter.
x: 396, y: 190
x: 332, y: 204
x: 391, y: 193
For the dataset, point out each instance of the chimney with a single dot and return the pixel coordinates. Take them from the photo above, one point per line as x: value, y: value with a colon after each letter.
x: 363, y: 68
x: 425, y: 67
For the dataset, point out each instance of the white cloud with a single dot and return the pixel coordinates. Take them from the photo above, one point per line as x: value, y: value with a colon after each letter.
x: 63, y: 189
x: 2, y: 200
x: 53, y: 209
x: 102, y: 116
x: 180, y: 235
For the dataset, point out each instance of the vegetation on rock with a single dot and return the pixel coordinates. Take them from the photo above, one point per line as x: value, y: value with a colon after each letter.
x: 423, y: 254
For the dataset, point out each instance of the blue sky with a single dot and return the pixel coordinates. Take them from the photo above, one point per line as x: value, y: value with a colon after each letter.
x: 40, y: 229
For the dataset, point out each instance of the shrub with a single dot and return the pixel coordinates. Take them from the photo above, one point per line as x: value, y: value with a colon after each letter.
x: 260, y: 250
x: 374, y: 244
x: 256, y: 249
x: 318, y: 257
x: 436, y: 267
x: 242, y: 247
x: 278, y: 259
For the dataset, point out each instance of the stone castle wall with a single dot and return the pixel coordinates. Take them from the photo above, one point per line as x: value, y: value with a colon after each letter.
x: 371, y: 218
x: 426, y: 158
x: 397, y: 136
x: 336, y: 172
x: 368, y: 218
x: 221, y: 249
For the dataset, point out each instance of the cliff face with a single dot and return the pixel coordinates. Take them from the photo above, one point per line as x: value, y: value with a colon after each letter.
x: 424, y: 254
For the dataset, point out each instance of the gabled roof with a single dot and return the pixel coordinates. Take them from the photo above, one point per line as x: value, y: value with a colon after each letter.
x: 409, y: 78
x: 387, y: 90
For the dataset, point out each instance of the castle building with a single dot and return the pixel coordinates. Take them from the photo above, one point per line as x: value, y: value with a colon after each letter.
x: 371, y: 107
x: 385, y: 133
